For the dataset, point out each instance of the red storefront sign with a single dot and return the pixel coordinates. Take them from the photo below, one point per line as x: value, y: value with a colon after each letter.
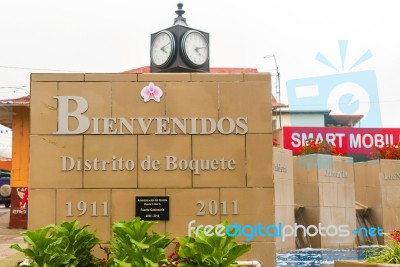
x: 349, y: 141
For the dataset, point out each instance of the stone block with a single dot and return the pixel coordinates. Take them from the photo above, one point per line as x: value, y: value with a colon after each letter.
x: 88, y: 206
x: 228, y: 152
x: 46, y: 161
x: 259, y: 158
x: 258, y: 112
x: 43, y: 108
x: 168, y: 150
x: 42, y: 208
x: 113, y: 161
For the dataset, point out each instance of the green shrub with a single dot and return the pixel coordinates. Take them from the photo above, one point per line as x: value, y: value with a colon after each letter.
x: 134, y: 246
x: 60, y: 245
x: 211, y: 250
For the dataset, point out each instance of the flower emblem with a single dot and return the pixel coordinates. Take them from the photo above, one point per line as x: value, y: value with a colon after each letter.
x: 151, y: 92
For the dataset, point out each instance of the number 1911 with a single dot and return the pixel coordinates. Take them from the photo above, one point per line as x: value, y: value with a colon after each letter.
x: 82, y: 208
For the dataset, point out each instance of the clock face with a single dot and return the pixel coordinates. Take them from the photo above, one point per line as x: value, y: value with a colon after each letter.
x: 162, y: 49
x: 195, y: 48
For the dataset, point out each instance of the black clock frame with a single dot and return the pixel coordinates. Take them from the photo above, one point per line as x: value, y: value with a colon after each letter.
x: 178, y: 62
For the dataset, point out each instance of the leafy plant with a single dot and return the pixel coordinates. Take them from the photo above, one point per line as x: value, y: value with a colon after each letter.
x: 132, y: 245
x: 209, y: 250
x: 76, y: 241
x: 389, y: 253
x: 60, y: 245
x: 313, y: 146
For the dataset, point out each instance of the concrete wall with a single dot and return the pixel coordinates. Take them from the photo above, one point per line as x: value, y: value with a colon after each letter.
x: 324, y: 185
x: 59, y: 194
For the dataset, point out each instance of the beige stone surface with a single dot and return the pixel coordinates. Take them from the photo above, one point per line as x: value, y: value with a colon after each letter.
x: 45, y: 161
x: 151, y: 148
x: 255, y: 205
x: 195, y: 99
x: 56, y: 77
x: 217, y: 77
x: 42, y: 208
x: 98, y: 96
x: 192, y: 204
x: 251, y: 100
x: 117, y: 155
x: 306, y: 195
x: 43, y: 108
x: 263, y: 252
x: 108, y: 77
x: 258, y: 160
x: 127, y: 102
x: 219, y: 147
x: 329, y: 196
x: 164, y: 77
x: 285, y: 215
x: 258, y: 77
x: 282, y: 166
x: 88, y: 206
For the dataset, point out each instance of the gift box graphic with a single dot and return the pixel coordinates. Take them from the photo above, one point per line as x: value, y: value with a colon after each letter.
x: 345, y: 93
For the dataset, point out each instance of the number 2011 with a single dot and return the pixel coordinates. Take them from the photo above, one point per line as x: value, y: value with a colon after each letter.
x: 82, y: 208
x: 213, y: 207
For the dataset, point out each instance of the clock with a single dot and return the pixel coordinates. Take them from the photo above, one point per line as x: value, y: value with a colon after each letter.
x: 162, y: 49
x: 195, y: 48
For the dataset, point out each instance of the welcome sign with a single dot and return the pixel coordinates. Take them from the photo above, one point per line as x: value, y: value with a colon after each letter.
x: 99, y: 142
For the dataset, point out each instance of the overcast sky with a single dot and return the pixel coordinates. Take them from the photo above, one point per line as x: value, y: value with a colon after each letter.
x: 114, y: 36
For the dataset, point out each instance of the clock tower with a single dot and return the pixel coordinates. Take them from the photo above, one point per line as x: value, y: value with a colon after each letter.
x: 179, y: 48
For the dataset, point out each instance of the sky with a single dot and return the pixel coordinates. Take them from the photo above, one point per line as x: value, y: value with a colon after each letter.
x: 114, y: 36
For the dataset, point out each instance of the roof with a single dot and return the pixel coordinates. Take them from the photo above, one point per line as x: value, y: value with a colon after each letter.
x: 6, y: 108
x: 343, y: 120
x: 22, y: 101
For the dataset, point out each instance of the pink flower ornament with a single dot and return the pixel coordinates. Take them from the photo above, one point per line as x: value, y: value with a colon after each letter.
x: 151, y: 92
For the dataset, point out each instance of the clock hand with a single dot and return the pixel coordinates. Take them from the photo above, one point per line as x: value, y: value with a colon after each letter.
x: 163, y: 47
x: 198, y: 48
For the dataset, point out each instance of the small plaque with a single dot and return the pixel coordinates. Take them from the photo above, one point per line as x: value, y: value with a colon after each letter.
x: 152, y: 208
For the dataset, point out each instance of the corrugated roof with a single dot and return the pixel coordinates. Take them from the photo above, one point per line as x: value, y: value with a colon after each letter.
x: 22, y: 101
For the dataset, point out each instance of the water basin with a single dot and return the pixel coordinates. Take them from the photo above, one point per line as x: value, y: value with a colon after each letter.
x: 319, y: 257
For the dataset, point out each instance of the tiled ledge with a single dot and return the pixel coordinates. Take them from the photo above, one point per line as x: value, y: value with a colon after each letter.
x: 363, y: 264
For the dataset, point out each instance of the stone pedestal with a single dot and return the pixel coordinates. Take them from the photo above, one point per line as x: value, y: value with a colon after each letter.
x: 324, y: 185
x: 282, y: 165
x: 378, y: 187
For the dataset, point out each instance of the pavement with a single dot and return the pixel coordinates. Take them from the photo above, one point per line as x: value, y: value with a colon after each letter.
x: 9, y: 257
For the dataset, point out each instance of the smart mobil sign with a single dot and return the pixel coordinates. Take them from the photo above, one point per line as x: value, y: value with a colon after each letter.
x: 345, y: 93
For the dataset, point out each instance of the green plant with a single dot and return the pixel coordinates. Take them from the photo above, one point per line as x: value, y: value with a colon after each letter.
x: 209, y: 250
x: 132, y: 245
x: 60, y: 245
x: 388, y: 254
x: 313, y: 146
